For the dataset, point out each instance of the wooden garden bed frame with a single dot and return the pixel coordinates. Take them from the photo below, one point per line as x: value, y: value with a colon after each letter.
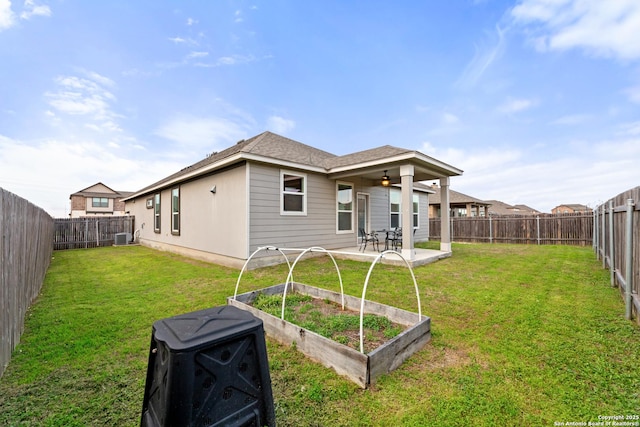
x: 362, y: 369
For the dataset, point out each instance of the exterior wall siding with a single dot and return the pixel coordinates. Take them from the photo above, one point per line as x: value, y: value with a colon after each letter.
x: 316, y: 228
x: 381, y: 216
x: 244, y: 214
x: 211, y: 225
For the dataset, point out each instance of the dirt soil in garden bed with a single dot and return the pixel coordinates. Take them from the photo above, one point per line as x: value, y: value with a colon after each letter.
x: 328, y: 319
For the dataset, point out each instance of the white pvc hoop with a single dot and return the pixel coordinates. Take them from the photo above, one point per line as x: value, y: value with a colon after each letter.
x: 364, y: 292
x: 320, y: 249
x: 290, y: 276
x: 235, y: 293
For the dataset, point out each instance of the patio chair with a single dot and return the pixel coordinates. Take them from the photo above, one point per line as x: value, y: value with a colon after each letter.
x: 368, y: 237
x: 393, y: 239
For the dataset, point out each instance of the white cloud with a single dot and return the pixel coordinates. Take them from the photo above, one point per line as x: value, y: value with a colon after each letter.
x: 484, y: 56
x: 83, y: 96
x: 515, y: 105
x: 188, y: 41
x: 601, y: 28
x: 197, y: 55
x: 229, y: 60
x: 474, y: 163
x: 633, y: 93
x: 572, y: 119
x: 280, y: 125
x: 32, y: 9
x: 630, y: 129
x: 450, y: 119
x: 7, y: 18
x: 191, y: 21
x: 587, y: 172
x: 85, y: 163
x: 201, y: 133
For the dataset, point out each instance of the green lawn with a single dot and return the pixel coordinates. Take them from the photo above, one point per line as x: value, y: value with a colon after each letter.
x: 522, y: 335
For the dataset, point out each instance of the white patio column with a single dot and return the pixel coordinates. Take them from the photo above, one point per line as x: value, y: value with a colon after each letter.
x: 445, y: 236
x: 406, y: 175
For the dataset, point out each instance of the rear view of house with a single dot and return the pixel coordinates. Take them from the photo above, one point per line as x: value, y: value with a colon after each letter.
x: 271, y: 190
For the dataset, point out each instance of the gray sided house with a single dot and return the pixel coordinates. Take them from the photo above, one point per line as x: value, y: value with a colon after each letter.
x: 273, y: 191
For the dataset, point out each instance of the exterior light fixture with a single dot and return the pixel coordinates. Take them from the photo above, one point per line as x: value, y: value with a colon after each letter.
x: 385, y: 180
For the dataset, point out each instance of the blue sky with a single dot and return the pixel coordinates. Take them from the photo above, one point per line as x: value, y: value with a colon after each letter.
x: 538, y: 101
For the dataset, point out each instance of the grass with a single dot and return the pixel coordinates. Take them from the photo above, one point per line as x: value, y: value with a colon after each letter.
x: 522, y: 335
x: 327, y: 319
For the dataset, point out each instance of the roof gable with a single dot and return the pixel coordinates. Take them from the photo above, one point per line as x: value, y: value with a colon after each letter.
x: 101, y: 190
x: 97, y: 188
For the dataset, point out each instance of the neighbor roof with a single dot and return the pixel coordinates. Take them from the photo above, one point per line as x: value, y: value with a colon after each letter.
x: 113, y: 194
x: 455, y: 198
x: 501, y: 208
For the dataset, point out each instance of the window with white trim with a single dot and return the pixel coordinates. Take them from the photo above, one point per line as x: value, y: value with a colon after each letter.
x: 99, y: 202
x: 293, y: 199
x: 156, y: 212
x: 175, y: 211
x: 395, y: 203
x: 344, y: 207
x: 395, y: 209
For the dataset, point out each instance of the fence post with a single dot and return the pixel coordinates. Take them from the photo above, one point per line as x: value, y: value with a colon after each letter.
x: 538, y: 228
x: 629, y: 258
x: 612, y: 264
x: 97, y: 234
x: 490, y: 230
x: 594, y: 234
x: 604, y: 253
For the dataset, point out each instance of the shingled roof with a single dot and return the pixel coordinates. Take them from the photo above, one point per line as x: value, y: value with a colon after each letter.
x: 112, y: 194
x: 455, y: 198
x: 373, y: 154
x: 268, y: 146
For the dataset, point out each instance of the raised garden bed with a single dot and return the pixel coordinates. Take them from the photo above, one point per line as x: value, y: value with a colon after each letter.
x: 361, y: 368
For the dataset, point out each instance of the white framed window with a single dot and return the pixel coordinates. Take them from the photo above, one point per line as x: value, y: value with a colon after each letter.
x: 99, y: 202
x: 395, y: 209
x: 293, y: 193
x: 395, y: 204
x: 344, y: 207
x: 175, y: 211
x: 416, y: 211
x: 156, y: 212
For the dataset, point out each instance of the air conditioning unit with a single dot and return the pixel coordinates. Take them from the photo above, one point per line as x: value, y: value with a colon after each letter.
x: 121, y: 239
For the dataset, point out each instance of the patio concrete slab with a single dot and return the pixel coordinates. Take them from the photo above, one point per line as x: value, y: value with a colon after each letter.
x: 419, y: 256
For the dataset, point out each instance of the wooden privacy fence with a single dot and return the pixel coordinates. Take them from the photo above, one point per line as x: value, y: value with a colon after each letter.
x: 616, y: 241
x: 91, y: 232
x: 543, y: 229
x: 26, y: 244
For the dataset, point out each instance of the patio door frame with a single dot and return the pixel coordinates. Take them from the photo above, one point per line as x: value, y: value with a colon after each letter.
x: 363, y: 201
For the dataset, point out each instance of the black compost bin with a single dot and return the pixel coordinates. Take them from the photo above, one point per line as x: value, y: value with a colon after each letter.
x: 208, y: 368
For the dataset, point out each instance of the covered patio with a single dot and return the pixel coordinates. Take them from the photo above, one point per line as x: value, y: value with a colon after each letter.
x: 390, y: 167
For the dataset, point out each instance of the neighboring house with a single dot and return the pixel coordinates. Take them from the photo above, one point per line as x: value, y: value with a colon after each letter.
x: 273, y: 191
x: 97, y: 200
x: 570, y: 208
x: 499, y: 208
x: 460, y: 205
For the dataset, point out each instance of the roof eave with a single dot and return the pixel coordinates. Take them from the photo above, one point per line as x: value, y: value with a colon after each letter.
x: 437, y: 166
x: 227, y: 161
